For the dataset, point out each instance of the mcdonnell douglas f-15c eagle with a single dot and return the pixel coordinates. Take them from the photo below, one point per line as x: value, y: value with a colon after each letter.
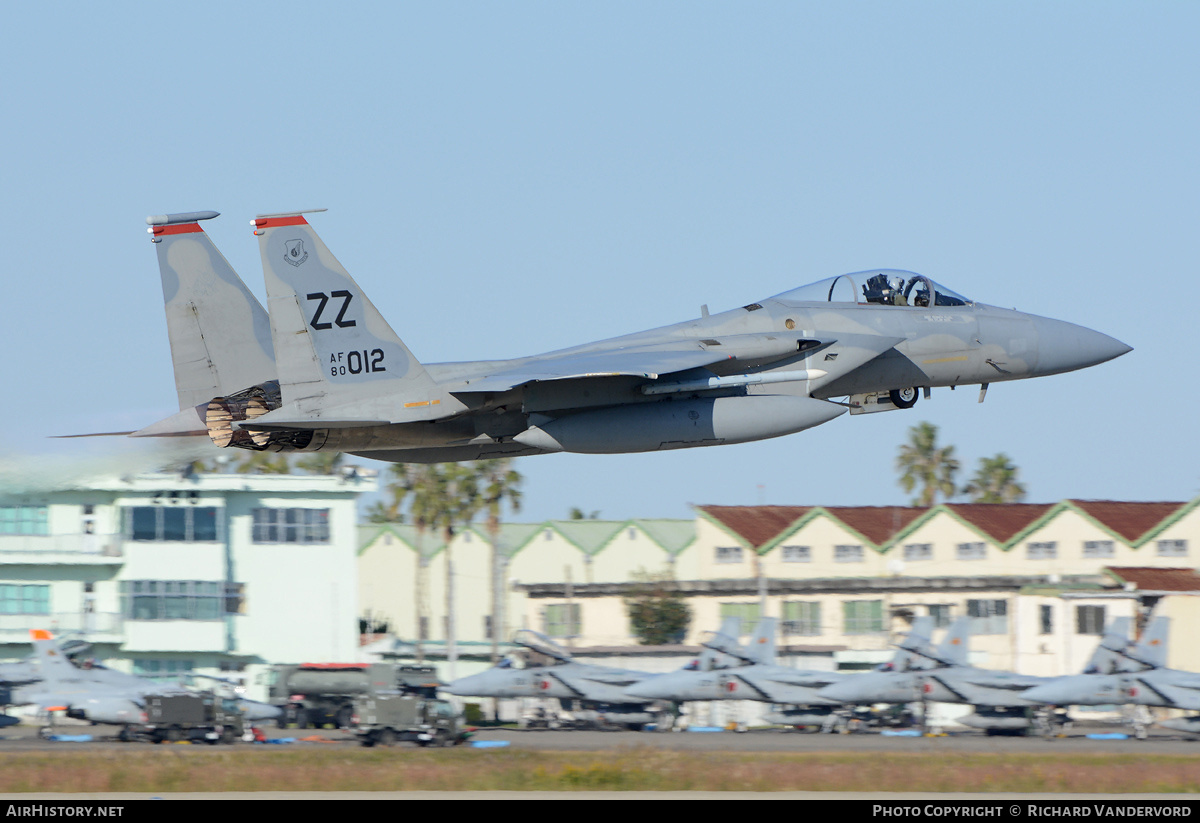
x: 324, y: 370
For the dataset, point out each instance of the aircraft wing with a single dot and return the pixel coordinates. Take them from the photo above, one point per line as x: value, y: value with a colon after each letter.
x: 1171, y: 695
x: 616, y: 678
x: 807, y: 679
x: 637, y: 363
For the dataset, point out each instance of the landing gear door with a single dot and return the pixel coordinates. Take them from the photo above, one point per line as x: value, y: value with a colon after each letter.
x: 871, y: 402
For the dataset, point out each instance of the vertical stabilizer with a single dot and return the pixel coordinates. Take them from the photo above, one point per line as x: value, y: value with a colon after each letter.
x: 332, y: 346
x: 955, y: 649
x: 56, y: 670
x: 220, y: 334
x: 1107, y: 657
x: 1151, y: 648
x: 711, y: 658
x: 762, y: 643
x: 915, y: 651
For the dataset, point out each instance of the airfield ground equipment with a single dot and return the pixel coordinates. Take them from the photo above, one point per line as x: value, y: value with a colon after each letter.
x: 313, y: 694
x: 202, y: 717
x: 386, y: 719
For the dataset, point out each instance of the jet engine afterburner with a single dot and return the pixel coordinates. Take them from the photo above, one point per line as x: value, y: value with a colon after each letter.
x: 223, y: 412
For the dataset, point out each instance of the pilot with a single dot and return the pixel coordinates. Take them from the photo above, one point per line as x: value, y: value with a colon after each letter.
x: 897, y: 287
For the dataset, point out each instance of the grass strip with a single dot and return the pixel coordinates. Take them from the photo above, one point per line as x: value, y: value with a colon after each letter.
x: 199, y: 769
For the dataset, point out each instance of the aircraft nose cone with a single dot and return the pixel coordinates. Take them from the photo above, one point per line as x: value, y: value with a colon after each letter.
x: 1064, y: 347
x: 471, y: 686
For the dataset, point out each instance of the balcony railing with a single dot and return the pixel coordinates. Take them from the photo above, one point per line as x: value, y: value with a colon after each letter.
x: 87, y: 623
x: 59, y: 547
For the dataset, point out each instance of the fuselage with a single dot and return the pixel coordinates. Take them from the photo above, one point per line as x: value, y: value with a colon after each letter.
x: 843, y: 348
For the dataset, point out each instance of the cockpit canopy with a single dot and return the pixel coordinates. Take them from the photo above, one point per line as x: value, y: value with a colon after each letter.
x: 891, y: 287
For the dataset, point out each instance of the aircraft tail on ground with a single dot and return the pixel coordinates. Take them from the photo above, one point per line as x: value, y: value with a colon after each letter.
x: 55, y: 668
x: 915, y: 651
x: 762, y: 643
x: 1108, y: 654
x: 1151, y: 648
x: 332, y: 346
x: 220, y: 334
x: 955, y: 649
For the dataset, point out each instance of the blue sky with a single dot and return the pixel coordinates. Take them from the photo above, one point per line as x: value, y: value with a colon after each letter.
x: 505, y: 179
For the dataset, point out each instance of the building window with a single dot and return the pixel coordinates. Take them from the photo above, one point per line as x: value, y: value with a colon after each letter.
x: 862, y: 616
x: 847, y: 554
x: 291, y: 525
x: 918, y: 551
x: 24, y: 520
x: 747, y: 613
x: 1046, y: 620
x: 1089, y: 620
x: 797, y: 554
x: 802, y: 618
x: 1041, y: 551
x: 988, y: 616
x: 1099, y: 548
x: 970, y: 551
x: 562, y: 620
x: 162, y: 669
x: 176, y: 524
x: 16, y: 599
x: 940, y: 613
x: 1172, y: 548
x: 729, y: 554
x: 175, y: 599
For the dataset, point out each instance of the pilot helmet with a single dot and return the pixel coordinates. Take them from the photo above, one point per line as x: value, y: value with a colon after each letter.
x: 896, y: 283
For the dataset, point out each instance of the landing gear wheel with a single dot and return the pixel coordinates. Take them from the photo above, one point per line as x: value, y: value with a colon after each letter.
x: 904, y: 398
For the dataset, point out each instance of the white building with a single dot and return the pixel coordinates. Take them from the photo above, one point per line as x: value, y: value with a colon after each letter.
x: 1038, y: 580
x: 217, y: 574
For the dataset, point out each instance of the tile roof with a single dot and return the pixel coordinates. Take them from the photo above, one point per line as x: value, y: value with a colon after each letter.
x: 876, y: 523
x: 1129, y: 520
x: 757, y: 525
x: 1157, y: 580
x: 1000, y: 521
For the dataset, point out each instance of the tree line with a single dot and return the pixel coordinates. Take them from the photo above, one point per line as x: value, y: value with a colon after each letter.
x: 933, y: 471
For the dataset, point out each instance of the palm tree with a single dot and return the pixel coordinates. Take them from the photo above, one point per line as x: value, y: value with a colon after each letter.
x: 922, y: 464
x: 499, y: 482
x: 320, y: 462
x: 995, y: 482
x: 264, y: 462
x: 456, y: 505
x: 419, y: 483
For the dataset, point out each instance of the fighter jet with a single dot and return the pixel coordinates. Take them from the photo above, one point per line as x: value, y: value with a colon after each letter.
x: 1136, y: 675
x: 758, y: 678
x: 92, y: 692
x: 998, y: 697
x: 546, y: 670
x: 324, y: 370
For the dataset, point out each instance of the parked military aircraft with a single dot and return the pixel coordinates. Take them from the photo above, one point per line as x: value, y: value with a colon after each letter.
x: 997, y: 696
x: 1136, y: 676
x: 324, y: 370
x: 546, y: 670
x: 101, y: 695
x: 756, y: 677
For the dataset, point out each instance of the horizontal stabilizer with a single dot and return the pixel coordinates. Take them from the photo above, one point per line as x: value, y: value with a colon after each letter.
x: 186, y: 423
